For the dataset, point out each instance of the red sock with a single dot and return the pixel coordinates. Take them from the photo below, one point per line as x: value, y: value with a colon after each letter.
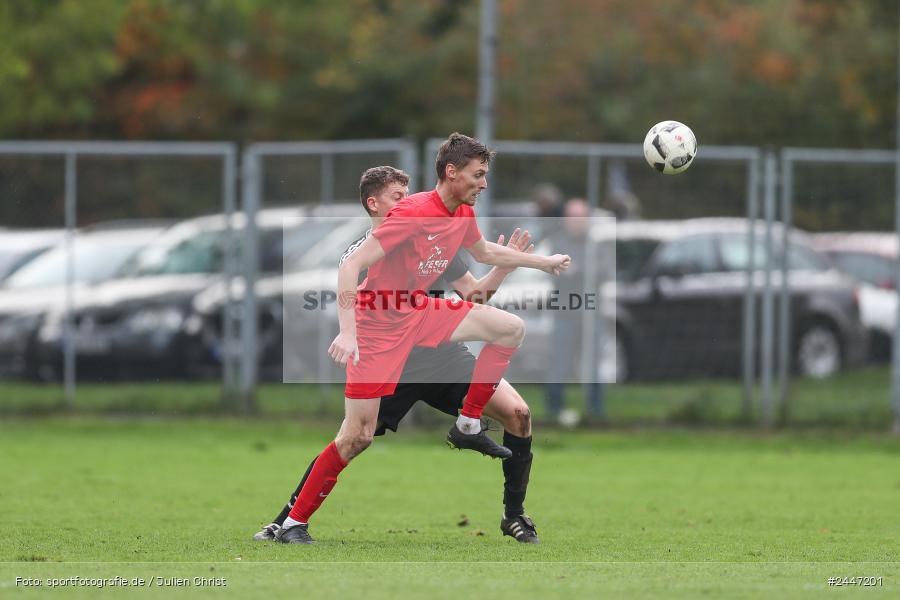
x: 489, y: 369
x: 319, y: 484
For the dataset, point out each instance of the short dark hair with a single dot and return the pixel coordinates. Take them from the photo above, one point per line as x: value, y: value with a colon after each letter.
x: 458, y: 150
x: 374, y: 180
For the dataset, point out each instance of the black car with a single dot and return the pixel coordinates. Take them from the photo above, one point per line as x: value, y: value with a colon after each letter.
x: 676, y: 299
x: 312, y: 252
x: 680, y: 295
x: 38, y: 289
x: 137, y: 326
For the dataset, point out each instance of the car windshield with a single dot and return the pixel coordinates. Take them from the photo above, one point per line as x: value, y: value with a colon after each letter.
x: 189, y: 250
x: 735, y: 255
x: 299, y: 240
x: 870, y: 268
x: 631, y: 256
x: 327, y: 253
x: 96, y: 257
x: 10, y: 260
x: 200, y: 253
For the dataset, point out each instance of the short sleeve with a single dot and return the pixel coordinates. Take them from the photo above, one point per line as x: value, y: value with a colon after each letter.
x: 456, y: 269
x: 398, y: 226
x: 473, y: 234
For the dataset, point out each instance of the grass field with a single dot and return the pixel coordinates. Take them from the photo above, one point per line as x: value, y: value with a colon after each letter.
x: 665, y: 514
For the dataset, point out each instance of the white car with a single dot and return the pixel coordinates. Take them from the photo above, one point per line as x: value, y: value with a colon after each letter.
x: 870, y: 257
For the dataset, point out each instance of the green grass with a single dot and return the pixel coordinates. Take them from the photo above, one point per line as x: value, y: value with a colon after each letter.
x: 666, y: 514
x: 857, y: 399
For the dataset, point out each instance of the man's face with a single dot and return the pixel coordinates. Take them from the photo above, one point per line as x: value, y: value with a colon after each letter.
x: 385, y: 200
x: 470, y: 181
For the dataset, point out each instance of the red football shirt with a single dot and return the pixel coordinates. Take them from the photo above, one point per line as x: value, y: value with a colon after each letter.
x: 419, y: 237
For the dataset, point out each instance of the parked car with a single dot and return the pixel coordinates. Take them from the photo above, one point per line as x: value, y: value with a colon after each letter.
x: 136, y: 326
x: 39, y: 287
x: 676, y: 305
x: 18, y: 246
x: 310, y: 324
x: 312, y: 253
x: 871, y: 258
x: 680, y: 292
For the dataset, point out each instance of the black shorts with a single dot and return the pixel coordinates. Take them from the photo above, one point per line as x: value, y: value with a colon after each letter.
x: 437, y: 376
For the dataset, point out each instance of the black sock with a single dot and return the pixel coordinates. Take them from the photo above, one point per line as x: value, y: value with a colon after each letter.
x: 287, y: 507
x: 516, y: 470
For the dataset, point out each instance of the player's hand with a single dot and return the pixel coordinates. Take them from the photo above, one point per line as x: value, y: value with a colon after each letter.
x: 343, y: 348
x: 557, y: 263
x: 519, y: 241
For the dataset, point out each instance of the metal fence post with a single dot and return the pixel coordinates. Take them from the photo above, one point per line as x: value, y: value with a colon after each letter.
x: 229, y: 379
x: 410, y: 164
x: 784, y: 337
x: 749, y: 327
x: 484, y: 118
x: 71, y: 198
x: 895, y: 353
x: 251, y: 193
x: 768, y: 300
x: 593, y: 181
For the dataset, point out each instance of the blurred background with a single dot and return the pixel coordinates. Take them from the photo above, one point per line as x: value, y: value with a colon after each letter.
x: 160, y: 158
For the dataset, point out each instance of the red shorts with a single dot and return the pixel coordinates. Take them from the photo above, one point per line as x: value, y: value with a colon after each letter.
x: 384, y: 346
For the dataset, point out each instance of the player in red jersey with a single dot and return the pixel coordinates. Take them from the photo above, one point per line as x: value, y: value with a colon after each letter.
x: 391, y: 314
x: 440, y: 376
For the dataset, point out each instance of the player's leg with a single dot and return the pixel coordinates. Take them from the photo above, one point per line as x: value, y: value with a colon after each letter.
x: 354, y: 436
x: 390, y: 412
x: 504, y: 333
x: 267, y: 533
x: 508, y: 407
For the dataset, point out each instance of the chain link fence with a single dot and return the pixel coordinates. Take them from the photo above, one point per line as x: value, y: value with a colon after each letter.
x: 310, y: 176
x: 845, y: 200
x: 110, y: 301
x: 720, y: 312
x: 679, y: 313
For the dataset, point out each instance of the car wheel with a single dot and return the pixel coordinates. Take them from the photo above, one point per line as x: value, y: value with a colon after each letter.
x: 818, y: 352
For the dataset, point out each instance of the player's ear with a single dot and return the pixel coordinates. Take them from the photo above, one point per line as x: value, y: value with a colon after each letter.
x: 372, y: 203
x: 450, y: 171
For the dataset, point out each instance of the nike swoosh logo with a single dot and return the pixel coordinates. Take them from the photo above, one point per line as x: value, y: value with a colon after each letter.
x: 323, y: 495
x: 431, y: 237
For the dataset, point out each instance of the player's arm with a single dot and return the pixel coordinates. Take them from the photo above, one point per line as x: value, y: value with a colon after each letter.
x: 489, y: 253
x: 481, y: 290
x: 344, y: 345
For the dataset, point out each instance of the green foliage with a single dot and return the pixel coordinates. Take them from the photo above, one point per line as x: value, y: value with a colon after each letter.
x: 800, y: 72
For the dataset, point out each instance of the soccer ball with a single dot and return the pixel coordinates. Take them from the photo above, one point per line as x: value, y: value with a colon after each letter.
x: 670, y: 147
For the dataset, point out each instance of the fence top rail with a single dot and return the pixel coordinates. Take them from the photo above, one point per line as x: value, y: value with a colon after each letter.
x: 332, y: 147
x: 589, y: 149
x: 846, y: 155
x: 112, y: 148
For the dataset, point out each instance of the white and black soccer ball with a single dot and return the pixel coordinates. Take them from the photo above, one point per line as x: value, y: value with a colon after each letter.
x: 670, y: 147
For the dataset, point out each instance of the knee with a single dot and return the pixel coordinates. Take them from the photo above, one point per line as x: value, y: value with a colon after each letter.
x: 516, y: 418
x: 521, y: 421
x: 512, y: 331
x: 360, y: 442
x: 352, y: 444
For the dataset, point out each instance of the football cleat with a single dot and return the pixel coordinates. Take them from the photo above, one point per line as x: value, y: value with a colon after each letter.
x: 298, y: 534
x: 267, y: 533
x: 479, y: 442
x: 520, y: 528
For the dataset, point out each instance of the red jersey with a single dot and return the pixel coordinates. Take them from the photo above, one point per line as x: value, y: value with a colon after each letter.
x: 419, y: 237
